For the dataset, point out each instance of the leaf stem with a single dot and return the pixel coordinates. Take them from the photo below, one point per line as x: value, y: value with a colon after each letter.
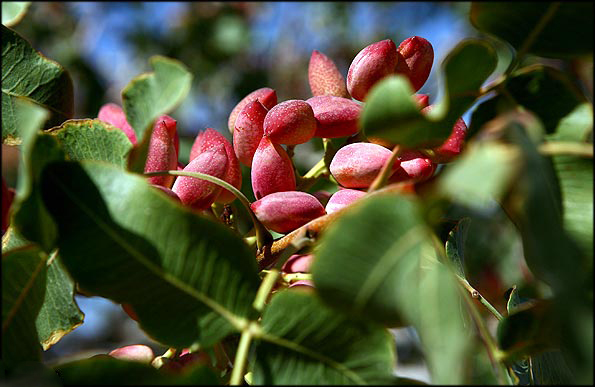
x: 263, y: 236
x: 239, y: 364
x: 386, y: 170
x: 566, y: 148
x: 475, y: 294
x: 265, y: 288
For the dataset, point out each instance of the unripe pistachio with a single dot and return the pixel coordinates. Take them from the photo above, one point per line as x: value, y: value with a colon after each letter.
x: 233, y: 174
x: 414, y: 166
x: 162, y: 155
x: 140, y: 353
x: 290, y: 122
x: 324, y: 76
x: 248, y: 131
x: 342, y: 198
x: 185, y: 360
x: 416, y: 56
x: 266, y: 96
x: 298, y: 263
x: 272, y: 169
x: 335, y: 116
x: 357, y: 165
x: 114, y: 115
x: 285, y: 211
x: 369, y: 66
x: 199, y: 193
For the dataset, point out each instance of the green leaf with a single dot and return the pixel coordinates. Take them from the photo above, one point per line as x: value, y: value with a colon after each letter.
x: 378, y: 262
x: 455, y: 245
x: 187, y: 278
x: 13, y: 12
x: 576, y: 126
x: 28, y: 74
x: 93, y: 140
x: 150, y: 95
x: 12, y: 240
x: 575, y: 175
x: 567, y: 32
x: 391, y: 113
x: 29, y: 216
x: 467, y: 182
x: 304, y: 342
x: 23, y: 288
x: 59, y: 314
x: 537, y: 188
x: 513, y: 300
x: 106, y: 370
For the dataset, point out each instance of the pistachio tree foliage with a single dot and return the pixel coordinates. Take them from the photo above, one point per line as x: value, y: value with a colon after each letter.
x: 381, y: 233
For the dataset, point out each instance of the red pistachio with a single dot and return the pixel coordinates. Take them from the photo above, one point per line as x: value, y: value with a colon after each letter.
x: 266, y: 96
x: 199, y: 193
x: 453, y: 145
x: 414, y: 166
x: 138, y: 352
x: 369, y: 66
x: 342, y: 198
x: 114, y: 115
x: 298, y: 263
x: 416, y: 56
x: 335, y: 116
x: 290, y: 122
x: 324, y: 76
x: 7, y: 198
x: 162, y: 151
x: 248, y: 131
x: 285, y: 211
x: 233, y: 174
x: 357, y: 165
x: 272, y: 169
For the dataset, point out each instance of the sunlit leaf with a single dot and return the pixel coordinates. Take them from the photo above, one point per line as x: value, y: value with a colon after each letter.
x: 28, y: 74
x: 93, y: 140
x: 150, y: 95
x: 305, y: 342
x: 391, y: 113
x: 59, y: 314
x: 23, y: 288
x: 552, y: 29
x: 187, y: 278
x: 455, y: 245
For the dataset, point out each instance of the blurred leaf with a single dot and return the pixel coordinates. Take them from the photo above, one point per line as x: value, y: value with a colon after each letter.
x: 59, y: 314
x: 305, y: 342
x: 150, y: 95
x: 575, y: 175
x: 13, y: 12
x: 568, y: 33
x: 576, y: 126
x: 28, y: 74
x: 391, y: 113
x: 106, y: 370
x: 466, y: 180
x: 187, y: 278
x: 389, y: 273
x: 535, y: 206
x: 93, y: 140
x: 23, y: 288
x: 29, y: 215
x: 455, y: 245
x: 545, y: 91
x: 550, y: 369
